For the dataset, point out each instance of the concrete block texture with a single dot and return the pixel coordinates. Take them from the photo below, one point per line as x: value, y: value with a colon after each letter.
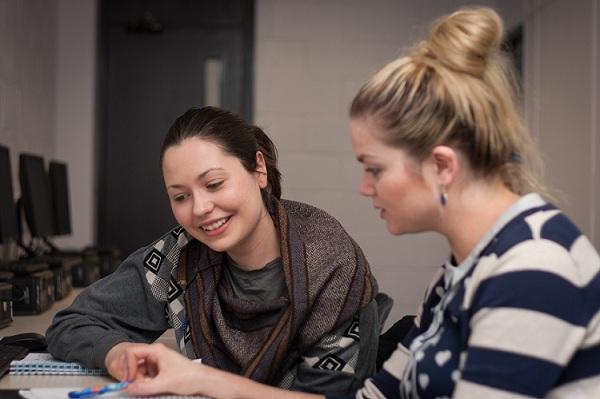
x: 312, y: 56
x: 27, y: 77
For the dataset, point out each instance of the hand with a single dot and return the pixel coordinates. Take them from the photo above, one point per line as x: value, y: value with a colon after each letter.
x: 114, y: 362
x: 156, y: 369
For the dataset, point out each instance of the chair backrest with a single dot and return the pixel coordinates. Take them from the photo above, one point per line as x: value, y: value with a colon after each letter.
x: 388, y: 342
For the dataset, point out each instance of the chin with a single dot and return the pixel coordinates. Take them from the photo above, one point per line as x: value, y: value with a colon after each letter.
x: 217, y: 246
x: 395, y: 230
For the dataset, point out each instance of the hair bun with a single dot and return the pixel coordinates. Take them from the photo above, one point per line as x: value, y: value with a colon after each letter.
x: 464, y: 40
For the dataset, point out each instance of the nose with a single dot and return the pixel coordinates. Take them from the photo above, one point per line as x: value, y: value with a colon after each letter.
x: 202, y: 205
x: 366, y: 187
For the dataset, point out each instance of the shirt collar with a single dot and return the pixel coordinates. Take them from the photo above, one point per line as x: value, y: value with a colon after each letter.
x: 454, y: 273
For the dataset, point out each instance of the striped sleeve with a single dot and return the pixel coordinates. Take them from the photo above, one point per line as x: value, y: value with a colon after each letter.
x: 523, y: 330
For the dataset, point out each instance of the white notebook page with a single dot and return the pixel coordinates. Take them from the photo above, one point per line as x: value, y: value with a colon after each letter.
x: 62, y: 393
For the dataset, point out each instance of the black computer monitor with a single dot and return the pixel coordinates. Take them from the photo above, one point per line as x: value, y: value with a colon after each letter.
x: 59, y: 189
x: 8, y: 214
x: 35, y: 195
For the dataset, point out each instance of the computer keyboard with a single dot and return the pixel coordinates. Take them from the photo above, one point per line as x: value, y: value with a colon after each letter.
x: 8, y: 353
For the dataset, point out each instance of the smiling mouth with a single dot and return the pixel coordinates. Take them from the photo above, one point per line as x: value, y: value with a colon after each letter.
x: 215, y: 225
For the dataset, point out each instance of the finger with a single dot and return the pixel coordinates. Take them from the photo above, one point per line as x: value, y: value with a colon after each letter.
x: 115, y: 369
x: 152, y: 369
x: 139, y: 359
x: 132, y: 364
x: 125, y: 366
x: 145, y: 386
x: 145, y: 372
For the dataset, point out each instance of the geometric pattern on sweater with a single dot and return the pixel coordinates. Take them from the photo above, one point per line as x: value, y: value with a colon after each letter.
x: 161, y: 274
x: 336, y: 351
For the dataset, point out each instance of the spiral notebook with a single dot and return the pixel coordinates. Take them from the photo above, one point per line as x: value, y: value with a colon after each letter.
x: 45, y: 364
x: 62, y: 393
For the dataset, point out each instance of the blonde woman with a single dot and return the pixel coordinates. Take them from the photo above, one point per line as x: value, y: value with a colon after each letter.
x: 515, y: 310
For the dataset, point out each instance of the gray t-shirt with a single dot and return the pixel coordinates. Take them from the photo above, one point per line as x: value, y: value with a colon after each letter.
x: 262, y: 285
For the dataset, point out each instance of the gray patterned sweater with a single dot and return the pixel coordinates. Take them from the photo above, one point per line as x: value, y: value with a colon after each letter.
x: 140, y: 301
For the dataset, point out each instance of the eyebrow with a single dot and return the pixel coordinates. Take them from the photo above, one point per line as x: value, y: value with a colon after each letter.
x: 200, y: 176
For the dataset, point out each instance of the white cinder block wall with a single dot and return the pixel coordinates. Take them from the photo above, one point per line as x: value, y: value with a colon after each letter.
x: 27, y: 83
x: 311, y: 57
x: 562, y: 65
x: 76, y: 113
x: 47, y: 96
x: 27, y: 78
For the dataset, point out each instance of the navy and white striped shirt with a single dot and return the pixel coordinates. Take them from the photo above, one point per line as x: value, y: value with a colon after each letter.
x: 519, y: 318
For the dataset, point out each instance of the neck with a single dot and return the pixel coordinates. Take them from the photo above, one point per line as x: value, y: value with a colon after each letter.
x: 260, y: 248
x: 471, y: 213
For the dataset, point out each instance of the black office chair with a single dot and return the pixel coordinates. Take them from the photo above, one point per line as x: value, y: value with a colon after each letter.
x: 388, y: 341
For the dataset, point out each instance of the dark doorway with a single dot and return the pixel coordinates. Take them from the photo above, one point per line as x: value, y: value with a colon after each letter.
x: 157, y: 59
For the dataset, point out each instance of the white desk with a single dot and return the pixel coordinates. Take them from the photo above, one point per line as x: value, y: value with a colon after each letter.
x: 39, y: 323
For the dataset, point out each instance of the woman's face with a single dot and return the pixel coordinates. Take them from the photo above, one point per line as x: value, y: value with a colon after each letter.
x: 394, y: 181
x: 213, y: 196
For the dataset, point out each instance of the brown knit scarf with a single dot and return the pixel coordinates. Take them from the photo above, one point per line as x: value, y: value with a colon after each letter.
x: 328, y: 281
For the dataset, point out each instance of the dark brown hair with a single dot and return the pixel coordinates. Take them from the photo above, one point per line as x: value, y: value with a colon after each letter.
x: 233, y: 134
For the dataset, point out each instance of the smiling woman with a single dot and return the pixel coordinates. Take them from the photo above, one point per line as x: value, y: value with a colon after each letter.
x: 219, y: 203
x: 267, y: 288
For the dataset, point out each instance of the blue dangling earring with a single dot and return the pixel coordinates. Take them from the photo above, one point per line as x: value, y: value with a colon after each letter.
x: 443, y: 198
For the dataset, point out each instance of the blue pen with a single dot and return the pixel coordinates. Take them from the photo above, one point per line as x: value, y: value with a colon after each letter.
x: 90, y: 392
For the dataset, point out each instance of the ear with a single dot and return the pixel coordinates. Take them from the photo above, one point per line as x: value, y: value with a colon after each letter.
x: 261, y: 170
x: 445, y: 162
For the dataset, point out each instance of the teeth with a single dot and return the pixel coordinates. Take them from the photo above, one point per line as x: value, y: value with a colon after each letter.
x: 215, y: 225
